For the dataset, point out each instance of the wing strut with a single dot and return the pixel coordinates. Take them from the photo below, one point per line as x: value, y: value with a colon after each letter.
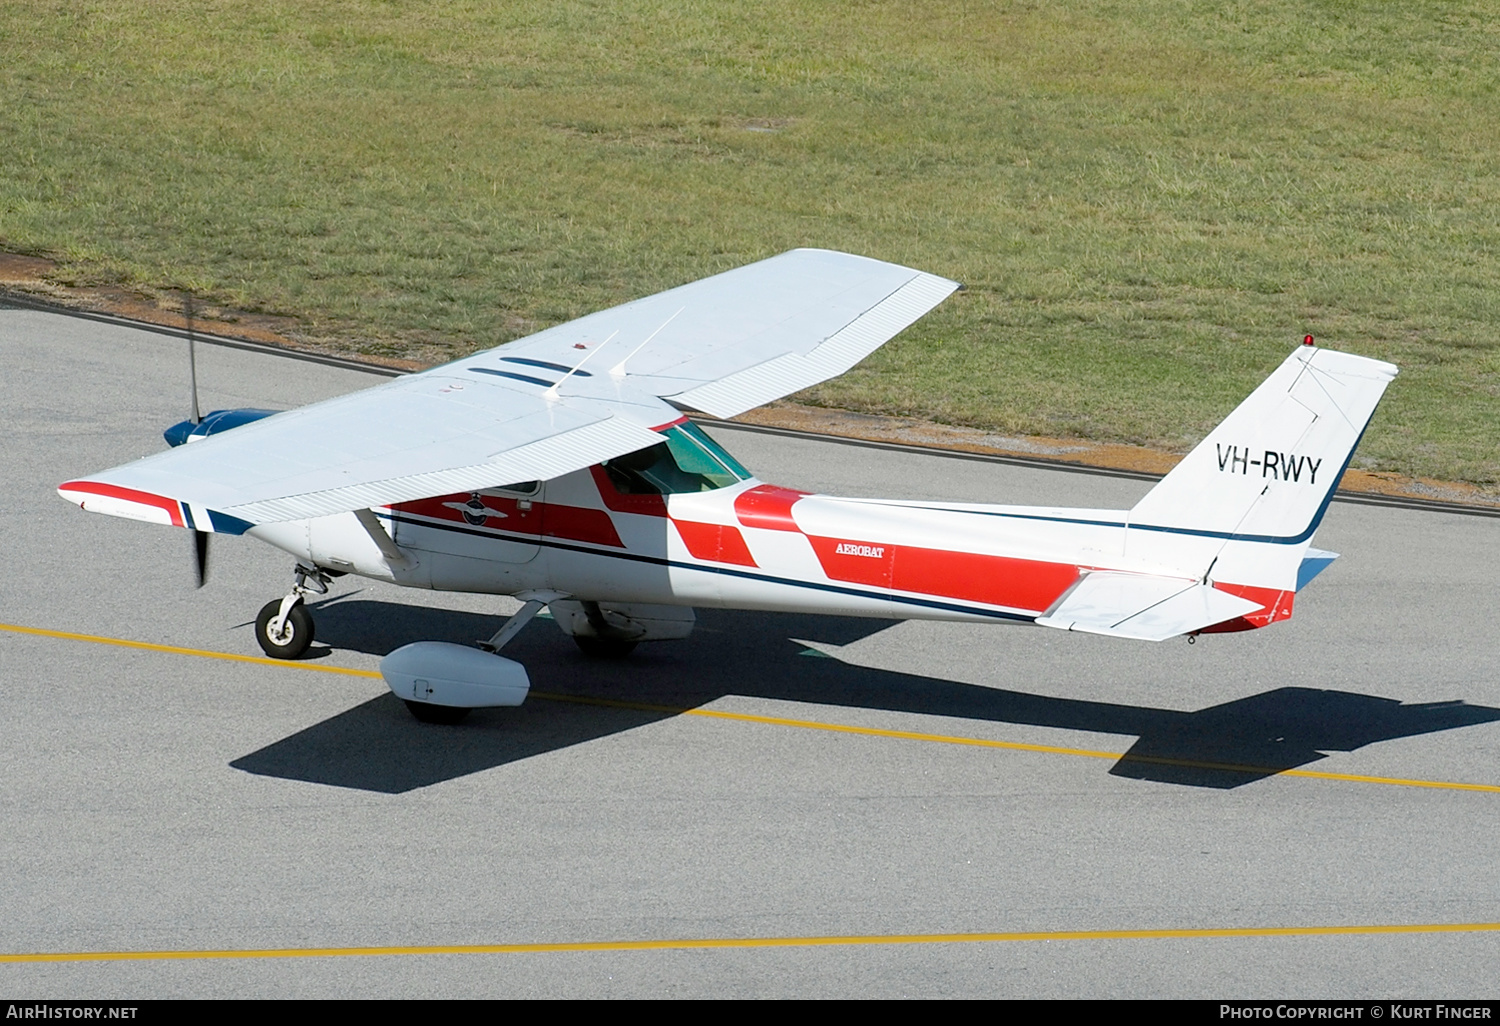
x: 383, y: 541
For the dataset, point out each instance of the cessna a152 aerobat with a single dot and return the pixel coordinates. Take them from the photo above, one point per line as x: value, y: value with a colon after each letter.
x: 560, y: 469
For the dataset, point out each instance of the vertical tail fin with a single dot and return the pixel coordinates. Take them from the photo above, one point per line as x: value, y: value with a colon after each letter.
x: 1253, y: 492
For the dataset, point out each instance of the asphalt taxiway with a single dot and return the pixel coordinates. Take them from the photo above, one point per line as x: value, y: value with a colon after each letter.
x: 778, y: 806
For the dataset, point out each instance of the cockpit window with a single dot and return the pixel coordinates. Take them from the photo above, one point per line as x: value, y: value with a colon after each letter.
x: 687, y: 460
x: 519, y: 488
x: 688, y: 430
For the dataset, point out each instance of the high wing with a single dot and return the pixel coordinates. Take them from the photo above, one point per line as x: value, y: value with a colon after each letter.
x: 738, y: 340
x: 546, y: 405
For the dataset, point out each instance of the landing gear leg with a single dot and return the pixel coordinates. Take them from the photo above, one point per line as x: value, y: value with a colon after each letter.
x: 606, y: 642
x: 284, y: 627
x: 512, y: 627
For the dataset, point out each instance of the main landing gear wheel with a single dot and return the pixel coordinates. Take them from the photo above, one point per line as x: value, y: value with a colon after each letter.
x: 604, y: 648
x: 296, y: 634
x: 428, y: 713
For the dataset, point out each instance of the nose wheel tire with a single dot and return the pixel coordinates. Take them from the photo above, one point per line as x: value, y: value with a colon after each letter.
x: 296, y: 634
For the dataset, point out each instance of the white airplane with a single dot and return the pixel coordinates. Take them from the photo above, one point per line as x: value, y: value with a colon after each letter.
x: 560, y: 469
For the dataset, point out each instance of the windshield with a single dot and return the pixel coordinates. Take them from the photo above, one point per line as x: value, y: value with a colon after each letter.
x: 687, y: 460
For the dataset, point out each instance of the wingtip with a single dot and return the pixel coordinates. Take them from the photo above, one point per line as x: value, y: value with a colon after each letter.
x: 72, y: 491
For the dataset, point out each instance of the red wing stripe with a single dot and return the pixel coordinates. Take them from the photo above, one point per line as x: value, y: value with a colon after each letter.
x: 172, y: 507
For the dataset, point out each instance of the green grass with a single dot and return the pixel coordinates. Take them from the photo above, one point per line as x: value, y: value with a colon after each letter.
x: 1150, y: 201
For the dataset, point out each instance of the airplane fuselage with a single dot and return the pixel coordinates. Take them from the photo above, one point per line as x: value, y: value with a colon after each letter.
x: 749, y: 545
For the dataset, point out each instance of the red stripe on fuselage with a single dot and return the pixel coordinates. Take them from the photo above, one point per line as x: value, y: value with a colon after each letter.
x: 499, y: 513
x: 579, y: 523
x: 856, y: 562
x: 768, y: 507
x: 172, y: 507
x: 995, y: 580
x: 711, y: 542
x: 550, y: 520
x: 715, y: 542
x: 992, y: 580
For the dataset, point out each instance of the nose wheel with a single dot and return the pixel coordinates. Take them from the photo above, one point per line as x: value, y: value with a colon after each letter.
x: 284, y: 627
x: 289, y: 639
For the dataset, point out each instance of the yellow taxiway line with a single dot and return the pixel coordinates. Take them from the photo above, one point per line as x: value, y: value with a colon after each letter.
x: 779, y: 721
x: 692, y: 944
x: 204, y: 653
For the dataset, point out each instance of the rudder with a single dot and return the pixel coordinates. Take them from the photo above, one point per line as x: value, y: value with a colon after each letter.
x: 1243, y: 505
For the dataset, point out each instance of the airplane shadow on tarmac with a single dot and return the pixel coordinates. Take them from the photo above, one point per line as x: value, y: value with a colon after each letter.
x: 379, y: 746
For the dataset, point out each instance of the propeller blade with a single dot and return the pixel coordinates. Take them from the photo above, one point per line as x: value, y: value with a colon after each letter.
x: 200, y: 556
x: 187, y: 312
x: 200, y: 538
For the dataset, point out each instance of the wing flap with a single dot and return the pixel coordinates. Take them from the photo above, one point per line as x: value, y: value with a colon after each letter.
x: 1143, y: 607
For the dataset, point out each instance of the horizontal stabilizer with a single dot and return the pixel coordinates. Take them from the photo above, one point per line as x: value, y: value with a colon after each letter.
x: 1314, y: 562
x: 1143, y: 607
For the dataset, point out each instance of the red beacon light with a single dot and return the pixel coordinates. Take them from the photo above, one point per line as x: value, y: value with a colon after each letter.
x: 1307, y: 340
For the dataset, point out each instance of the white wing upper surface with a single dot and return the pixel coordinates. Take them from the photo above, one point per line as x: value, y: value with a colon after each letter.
x: 740, y: 339
x: 428, y: 434
x: 546, y: 405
